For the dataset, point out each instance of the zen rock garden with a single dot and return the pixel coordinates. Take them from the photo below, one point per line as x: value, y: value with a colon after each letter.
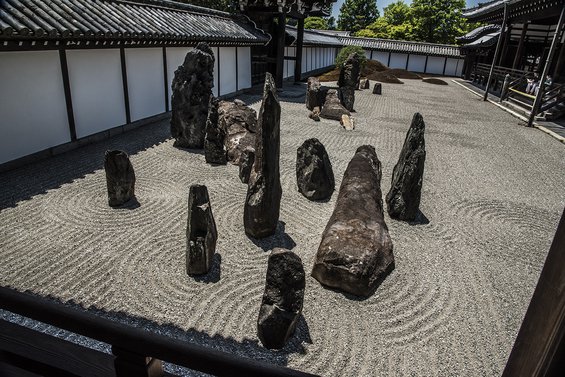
x: 355, y: 252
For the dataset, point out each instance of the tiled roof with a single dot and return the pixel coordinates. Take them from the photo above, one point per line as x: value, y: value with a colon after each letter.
x: 487, y: 40
x: 314, y: 38
x: 478, y: 32
x: 160, y: 20
x: 492, y: 11
x: 402, y: 46
x: 485, y: 7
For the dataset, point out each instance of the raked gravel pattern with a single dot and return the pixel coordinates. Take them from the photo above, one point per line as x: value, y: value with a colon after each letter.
x: 493, y: 193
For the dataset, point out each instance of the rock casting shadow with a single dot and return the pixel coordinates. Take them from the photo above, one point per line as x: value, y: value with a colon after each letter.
x: 133, y: 203
x: 421, y: 219
x: 213, y: 276
x: 279, y: 239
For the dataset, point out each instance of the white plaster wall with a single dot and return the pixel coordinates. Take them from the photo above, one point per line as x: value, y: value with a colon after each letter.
x: 304, y: 52
x: 96, y: 88
x: 435, y: 65
x: 243, y: 68
x: 417, y: 63
x: 398, y: 60
x: 146, y: 87
x: 289, y: 64
x: 33, y: 113
x: 175, y: 57
x: 227, y: 70
x: 381, y: 56
x: 459, y: 71
x: 451, y: 67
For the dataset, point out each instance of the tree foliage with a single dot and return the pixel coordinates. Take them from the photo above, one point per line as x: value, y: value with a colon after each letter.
x: 348, y: 50
x: 315, y: 23
x: 355, y: 15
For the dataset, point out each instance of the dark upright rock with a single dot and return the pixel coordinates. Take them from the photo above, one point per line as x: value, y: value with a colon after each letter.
x: 403, y: 199
x: 201, y: 233
x: 377, y: 89
x: 262, y: 205
x: 355, y: 254
x: 332, y: 108
x: 349, y: 81
x: 240, y: 124
x: 192, y: 88
x: 214, y: 150
x: 314, y: 173
x: 313, y: 93
x: 120, y: 177
x: 283, y: 298
x: 246, y: 164
x: 364, y: 84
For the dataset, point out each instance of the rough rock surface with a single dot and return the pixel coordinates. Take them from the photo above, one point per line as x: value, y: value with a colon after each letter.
x: 264, y: 191
x: 283, y: 298
x: 313, y: 93
x: 355, y: 254
x: 192, y: 89
x: 214, y: 150
x: 201, y: 233
x: 364, y: 84
x: 349, y: 81
x: 333, y: 108
x: 120, y: 177
x: 240, y: 125
x: 315, y: 114
x: 314, y: 173
x: 347, y: 122
x: 377, y: 89
x: 246, y: 160
x: 403, y: 199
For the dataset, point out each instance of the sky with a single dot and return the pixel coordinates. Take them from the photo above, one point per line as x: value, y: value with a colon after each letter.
x: 383, y: 3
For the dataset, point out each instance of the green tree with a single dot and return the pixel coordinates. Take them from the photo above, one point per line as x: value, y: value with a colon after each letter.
x: 355, y: 15
x: 315, y: 23
x: 344, y: 53
x: 397, y: 13
x: 396, y: 23
x: 438, y: 21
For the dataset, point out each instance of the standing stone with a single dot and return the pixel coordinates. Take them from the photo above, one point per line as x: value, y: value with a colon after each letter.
x: 283, y: 298
x: 314, y: 173
x: 315, y: 114
x: 377, y: 89
x: 262, y: 205
x: 347, y: 122
x: 332, y: 108
x: 364, y: 84
x: 192, y: 89
x: 246, y: 164
x: 240, y: 125
x: 120, y: 177
x: 214, y: 150
x: 349, y: 81
x: 201, y: 233
x: 403, y: 199
x: 313, y: 93
x: 355, y: 254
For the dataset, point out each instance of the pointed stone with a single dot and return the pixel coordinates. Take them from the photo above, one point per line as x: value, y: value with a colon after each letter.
x: 355, y: 254
x: 240, y: 125
x: 264, y: 191
x: 192, y: 89
x: 403, y: 199
x: 214, y: 150
x: 332, y: 108
x: 314, y: 173
x: 120, y: 177
x: 349, y: 81
x: 377, y: 89
x: 313, y: 93
x: 283, y: 298
x: 201, y: 233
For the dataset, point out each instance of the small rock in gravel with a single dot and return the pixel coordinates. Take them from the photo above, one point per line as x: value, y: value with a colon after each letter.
x: 201, y: 233
x: 313, y: 94
x: 314, y: 173
x: 333, y: 108
x: 377, y: 89
x: 120, y: 177
x: 347, y: 122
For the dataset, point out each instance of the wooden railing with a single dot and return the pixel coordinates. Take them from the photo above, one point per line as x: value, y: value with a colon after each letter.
x: 480, y: 74
x: 137, y: 352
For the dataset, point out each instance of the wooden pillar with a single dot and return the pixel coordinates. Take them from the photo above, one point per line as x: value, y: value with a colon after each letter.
x: 279, y: 71
x: 505, y: 44
x: 299, y: 45
x: 541, y: 340
x: 559, y: 66
x: 68, y: 95
x: 495, y: 58
x: 541, y: 90
x: 520, y: 50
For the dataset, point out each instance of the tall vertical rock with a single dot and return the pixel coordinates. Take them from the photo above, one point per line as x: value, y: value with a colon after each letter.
x: 349, y: 80
x: 283, y: 298
x: 264, y: 191
x: 314, y: 173
x: 214, y: 150
x: 403, y: 199
x: 355, y: 253
x: 120, y: 177
x: 240, y: 125
x: 192, y: 88
x: 313, y: 93
x: 201, y: 233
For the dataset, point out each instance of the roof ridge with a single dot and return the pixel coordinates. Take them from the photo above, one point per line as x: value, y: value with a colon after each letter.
x: 172, y: 4
x: 400, y: 41
x: 480, y: 5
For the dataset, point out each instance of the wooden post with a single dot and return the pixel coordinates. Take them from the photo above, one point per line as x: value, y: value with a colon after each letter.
x: 518, y: 57
x: 495, y: 58
x: 559, y: 65
x: 541, y: 339
x: 281, y: 33
x: 68, y: 94
x: 130, y: 364
x: 541, y: 89
x: 505, y: 44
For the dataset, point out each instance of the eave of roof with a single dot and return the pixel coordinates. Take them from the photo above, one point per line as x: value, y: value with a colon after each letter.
x: 493, y: 11
x: 421, y: 48
x: 477, y: 33
x: 484, y: 41
x: 314, y: 37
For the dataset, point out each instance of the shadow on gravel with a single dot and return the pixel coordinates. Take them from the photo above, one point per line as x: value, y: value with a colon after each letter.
x: 421, y: 219
x: 213, y: 276
x: 279, y: 239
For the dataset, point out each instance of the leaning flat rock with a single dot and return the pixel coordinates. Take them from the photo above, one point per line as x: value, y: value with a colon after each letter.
x: 377, y: 89
x: 332, y: 108
x: 120, y: 177
x: 314, y: 173
x: 355, y: 254
x: 264, y: 191
x: 403, y: 199
x: 239, y: 122
x: 313, y: 93
x: 283, y: 298
x: 214, y: 150
x: 192, y: 89
x: 201, y: 233
x: 349, y: 80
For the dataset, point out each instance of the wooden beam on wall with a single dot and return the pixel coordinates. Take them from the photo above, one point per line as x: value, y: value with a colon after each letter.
x: 166, y: 79
x: 68, y: 95
x: 125, y: 84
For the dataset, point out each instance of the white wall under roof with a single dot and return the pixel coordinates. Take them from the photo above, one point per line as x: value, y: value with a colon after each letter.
x: 227, y: 69
x: 243, y: 68
x: 417, y: 63
x: 175, y: 58
x: 33, y: 114
x: 398, y: 60
x: 95, y: 78
x: 435, y: 65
